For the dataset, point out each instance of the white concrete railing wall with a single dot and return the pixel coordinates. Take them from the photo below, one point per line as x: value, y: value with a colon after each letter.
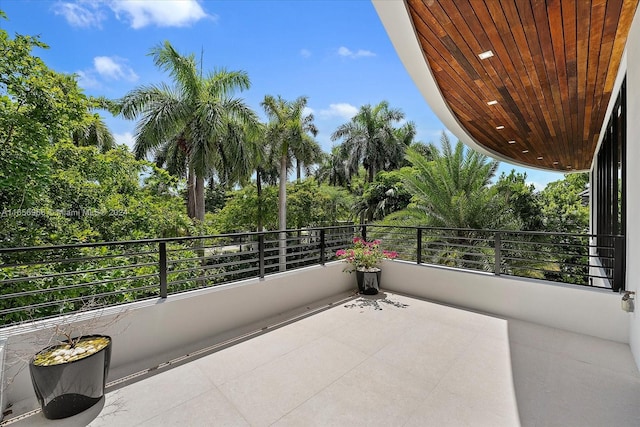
x: 149, y: 333
x: 152, y: 332
x: 584, y: 310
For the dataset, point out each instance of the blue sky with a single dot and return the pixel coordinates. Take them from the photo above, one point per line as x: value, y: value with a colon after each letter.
x: 336, y: 53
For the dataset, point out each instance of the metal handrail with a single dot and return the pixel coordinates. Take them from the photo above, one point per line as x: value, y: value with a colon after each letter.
x: 44, y: 282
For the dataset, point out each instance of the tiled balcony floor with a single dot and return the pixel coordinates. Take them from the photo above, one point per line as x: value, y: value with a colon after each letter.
x: 390, y: 360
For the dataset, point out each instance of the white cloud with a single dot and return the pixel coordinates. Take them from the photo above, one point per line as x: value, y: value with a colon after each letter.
x: 125, y: 138
x: 343, y: 110
x: 306, y: 111
x: 105, y: 68
x: 137, y: 13
x: 80, y: 16
x: 114, y: 68
x: 165, y: 13
x: 362, y: 52
x: 87, y: 80
x: 343, y: 51
x: 348, y: 53
x: 305, y: 53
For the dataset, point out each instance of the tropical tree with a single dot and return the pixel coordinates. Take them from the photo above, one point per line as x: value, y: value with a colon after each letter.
x: 306, y: 153
x: 333, y: 168
x: 453, y: 189
x: 38, y: 106
x: 371, y: 139
x: 308, y: 204
x: 404, y: 137
x: 562, y: 206
x: 197, y: 121
x: 93, y: 131
x: 385, y: 195
x: 286, y: 131
x: 264, y: 164
x: 426, y: 150
x: 521, y: 199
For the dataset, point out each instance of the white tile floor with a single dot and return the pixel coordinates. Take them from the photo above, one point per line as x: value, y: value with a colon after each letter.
x: 390, y: 360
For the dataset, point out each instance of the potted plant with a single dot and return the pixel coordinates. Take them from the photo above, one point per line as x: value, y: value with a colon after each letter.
x: 365, y: 257
x: 70, y: 377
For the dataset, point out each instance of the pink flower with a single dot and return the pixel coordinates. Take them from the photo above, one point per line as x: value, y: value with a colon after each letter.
x: 365, y: 254
x: 390, y: 254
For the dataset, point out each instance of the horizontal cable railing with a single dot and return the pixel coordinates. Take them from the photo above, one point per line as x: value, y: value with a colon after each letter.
x: 579, y: 259
x: 41, y: 282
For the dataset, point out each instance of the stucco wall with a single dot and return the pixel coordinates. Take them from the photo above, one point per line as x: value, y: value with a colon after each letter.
x: 633, y: 177
x: 584, y: 310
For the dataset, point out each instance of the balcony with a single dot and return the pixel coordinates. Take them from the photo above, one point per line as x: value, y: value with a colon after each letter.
x: 439, y: 346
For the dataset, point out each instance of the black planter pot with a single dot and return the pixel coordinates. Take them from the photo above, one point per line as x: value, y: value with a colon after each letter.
x: 368, y: 281
x: 69, y: 388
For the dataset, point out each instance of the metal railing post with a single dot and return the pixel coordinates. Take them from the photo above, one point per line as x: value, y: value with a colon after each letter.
x: 162, y: 249
x: 363, y: 232
x: 261, y: 256
x: 497, y: 253
x: 322, y: 247
x: 618, y: 264
x: 419, y: 246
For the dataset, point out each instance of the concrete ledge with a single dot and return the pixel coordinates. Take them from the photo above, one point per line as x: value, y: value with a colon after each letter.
x: 148, y: 333
x: 589, y: 311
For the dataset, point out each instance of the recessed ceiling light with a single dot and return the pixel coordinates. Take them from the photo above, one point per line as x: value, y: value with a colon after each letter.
x: 512, y: 142
x: 555, y: 163
x: 569, y: 167
x: 500, y: 127
x: 525, y: 151
x: 539, y: 157
x: 485, y: 55
x: 494, y: 102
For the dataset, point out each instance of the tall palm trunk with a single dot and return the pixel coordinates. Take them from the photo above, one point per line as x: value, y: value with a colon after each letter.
x: 199, y: 209
x: 191, y: 194
x: 282, y: 213
x: 259, y: 190
x: 298, y: 170
x: 199, y: 198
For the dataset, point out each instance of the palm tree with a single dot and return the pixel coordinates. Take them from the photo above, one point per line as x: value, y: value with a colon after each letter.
x: 404, y: 137
x: 93, y: 132
x: 452, y: 190
x: 306, y: 152
x: 426, y: 150
x: 333, y: 168
x: 196, y: 120
x: 286, y: 130
x: 264, y: 163
x: 370, y: 138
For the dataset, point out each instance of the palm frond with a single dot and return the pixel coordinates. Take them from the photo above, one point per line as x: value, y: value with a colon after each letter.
x: 183, y: 69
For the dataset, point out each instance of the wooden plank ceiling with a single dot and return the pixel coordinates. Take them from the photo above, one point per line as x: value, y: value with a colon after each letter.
x: 552, y: 71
